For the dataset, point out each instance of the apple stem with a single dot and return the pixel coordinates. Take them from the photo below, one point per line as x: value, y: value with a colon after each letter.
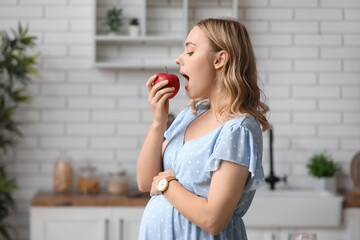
x: 166, y: 70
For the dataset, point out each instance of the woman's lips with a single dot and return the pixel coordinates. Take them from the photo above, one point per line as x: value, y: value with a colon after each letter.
x: 187, y: 78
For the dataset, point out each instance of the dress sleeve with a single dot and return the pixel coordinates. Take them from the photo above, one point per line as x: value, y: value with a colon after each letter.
x: 176, y: 125
x: 238, y: 144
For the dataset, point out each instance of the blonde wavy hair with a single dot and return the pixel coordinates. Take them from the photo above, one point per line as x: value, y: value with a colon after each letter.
x: 239, y: 74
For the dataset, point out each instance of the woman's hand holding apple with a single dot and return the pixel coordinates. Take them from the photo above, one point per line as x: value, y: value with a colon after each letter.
x: 158, y: 100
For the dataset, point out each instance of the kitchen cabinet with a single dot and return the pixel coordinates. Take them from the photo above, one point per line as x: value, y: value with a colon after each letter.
x: 90, y: 223
x: 349, y: 230
x: 74, y: 216
x: 164, y: 26
x: 120, y: 223
x: 126, y: 222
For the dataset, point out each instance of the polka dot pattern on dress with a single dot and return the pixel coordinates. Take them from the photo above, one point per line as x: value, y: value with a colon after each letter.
x: 238, y: 140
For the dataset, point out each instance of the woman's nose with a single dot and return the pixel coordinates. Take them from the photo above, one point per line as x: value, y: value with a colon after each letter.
x: 178, y: 60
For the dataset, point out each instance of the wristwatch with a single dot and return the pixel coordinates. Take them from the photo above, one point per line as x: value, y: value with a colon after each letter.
x: 163, y: 183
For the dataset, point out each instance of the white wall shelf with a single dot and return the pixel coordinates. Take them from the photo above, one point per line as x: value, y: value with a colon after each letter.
x: 161, y: 37
x: 154, y: 38
x: 136, y: 64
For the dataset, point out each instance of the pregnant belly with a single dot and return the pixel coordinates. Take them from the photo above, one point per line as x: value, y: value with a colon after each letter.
x: 158, y: 219
x: 158, y: 211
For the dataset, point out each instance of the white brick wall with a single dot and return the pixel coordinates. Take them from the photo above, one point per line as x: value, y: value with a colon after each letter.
x: 309, y: 60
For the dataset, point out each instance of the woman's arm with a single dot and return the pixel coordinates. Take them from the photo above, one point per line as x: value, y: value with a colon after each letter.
x: 214, y: 213
x: 149, y: 162
x: 150, y: 158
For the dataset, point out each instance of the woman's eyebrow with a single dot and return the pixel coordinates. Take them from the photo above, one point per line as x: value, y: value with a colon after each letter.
x: 187, y: 43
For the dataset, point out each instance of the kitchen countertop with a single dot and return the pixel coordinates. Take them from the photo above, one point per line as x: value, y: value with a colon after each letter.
x: 351, y: 201
x: 48, y: 199
x: 53, y: 199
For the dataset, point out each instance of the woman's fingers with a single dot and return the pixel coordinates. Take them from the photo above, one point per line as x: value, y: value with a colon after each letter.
x: 169, y: 172
x: 165, y: 173
x: 159, y: 94
x: 164, y: 98
x: 149, y: 83
x: 156, y: 88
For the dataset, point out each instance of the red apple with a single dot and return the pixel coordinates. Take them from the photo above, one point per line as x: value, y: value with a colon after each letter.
x: 173, y: 82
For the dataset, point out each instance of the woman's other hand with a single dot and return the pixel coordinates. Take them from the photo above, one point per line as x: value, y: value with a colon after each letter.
x: 158, y: 100
x: 166, y: 173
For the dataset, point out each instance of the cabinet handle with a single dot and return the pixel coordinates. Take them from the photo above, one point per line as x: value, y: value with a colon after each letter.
x: 106, y: 229
x: 290, y: 236
x: 273, y: 236
x: 121, y: 229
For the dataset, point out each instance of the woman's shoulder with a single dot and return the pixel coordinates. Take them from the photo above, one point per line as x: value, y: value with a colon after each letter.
x: 245, y: 122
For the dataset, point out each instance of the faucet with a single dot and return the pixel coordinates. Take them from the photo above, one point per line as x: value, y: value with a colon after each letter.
x: 273, y: 179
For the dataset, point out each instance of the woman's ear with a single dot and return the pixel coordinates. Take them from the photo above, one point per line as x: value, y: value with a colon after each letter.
x: 220, y: 59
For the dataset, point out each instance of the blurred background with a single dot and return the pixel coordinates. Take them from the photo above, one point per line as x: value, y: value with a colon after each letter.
x: 90, y: 105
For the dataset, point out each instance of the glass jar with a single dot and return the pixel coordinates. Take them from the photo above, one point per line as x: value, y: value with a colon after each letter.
x: 117, y: 183
x: 88, y: 182
x: 63, y: 176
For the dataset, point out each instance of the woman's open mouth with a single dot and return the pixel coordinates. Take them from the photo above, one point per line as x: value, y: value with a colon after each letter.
x: 187, y: 78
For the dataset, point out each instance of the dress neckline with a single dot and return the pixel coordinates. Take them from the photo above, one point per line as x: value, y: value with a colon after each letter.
x: 186, y: 128
x: 183, y: 143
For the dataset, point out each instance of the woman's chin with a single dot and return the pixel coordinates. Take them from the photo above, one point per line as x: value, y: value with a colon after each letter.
x: 188, y: 93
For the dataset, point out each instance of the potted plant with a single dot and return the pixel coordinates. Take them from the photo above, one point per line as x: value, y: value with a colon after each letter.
x: 113, y: 20
x: 16, y: 68
x: 134, y: 27
x: 323, y: 168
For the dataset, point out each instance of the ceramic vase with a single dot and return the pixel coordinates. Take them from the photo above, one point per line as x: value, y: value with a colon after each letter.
x: 134, y: 30
x: 326, y: 183
x: 112, y: 33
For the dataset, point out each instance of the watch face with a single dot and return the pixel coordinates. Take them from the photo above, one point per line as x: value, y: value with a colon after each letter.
x: 161, y: 184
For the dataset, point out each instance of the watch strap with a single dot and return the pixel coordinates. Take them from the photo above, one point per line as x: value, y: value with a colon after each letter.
x: 168, y: 179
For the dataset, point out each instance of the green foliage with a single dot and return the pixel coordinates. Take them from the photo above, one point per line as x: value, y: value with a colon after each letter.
x: 322, y: 165
x: 134, y: 22
x: 7, y: 203
x: 16, y: 69
x: 113, y: 19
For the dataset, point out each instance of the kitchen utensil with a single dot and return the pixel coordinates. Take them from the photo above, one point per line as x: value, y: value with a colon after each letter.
x: 355, y: 174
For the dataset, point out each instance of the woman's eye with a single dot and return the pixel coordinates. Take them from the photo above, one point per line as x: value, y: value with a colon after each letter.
x: 189, y: 53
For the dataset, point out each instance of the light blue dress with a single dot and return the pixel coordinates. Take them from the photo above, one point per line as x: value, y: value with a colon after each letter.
x: 239, y: 140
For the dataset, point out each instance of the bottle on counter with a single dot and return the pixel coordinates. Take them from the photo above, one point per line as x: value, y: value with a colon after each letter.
x: 88, y: 183
x: 117, y: 183
x: 63, y: 175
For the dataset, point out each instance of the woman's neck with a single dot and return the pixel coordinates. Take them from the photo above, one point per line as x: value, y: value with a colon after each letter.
x: 215, y: 100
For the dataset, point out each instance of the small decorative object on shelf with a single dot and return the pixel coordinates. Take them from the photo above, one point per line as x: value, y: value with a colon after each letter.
x: 63, y: 175
x: 134, y: 28
x: 113, y: 20
x: 322, y: 167
x: 355, y: 174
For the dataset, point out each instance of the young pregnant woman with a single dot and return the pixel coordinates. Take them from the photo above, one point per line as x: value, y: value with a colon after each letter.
x: 203, y: 176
